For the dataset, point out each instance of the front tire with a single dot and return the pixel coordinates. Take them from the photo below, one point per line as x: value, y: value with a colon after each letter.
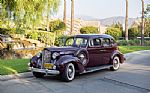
x: 38, y: 74
x: 69, y: 72
x: 116, y: 63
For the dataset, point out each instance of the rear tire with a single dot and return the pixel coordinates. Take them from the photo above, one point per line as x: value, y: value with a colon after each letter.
x: 116, y: 63
x: 38, y: 74
x: 69, y: 72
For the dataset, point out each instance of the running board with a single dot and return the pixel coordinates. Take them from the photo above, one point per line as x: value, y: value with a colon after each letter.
x: 92, y: 69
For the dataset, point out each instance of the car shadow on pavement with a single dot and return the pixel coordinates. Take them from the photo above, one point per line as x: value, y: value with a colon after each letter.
x: 95, y: 74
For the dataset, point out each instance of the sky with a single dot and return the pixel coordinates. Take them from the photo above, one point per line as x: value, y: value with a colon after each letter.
x: 103, y: 8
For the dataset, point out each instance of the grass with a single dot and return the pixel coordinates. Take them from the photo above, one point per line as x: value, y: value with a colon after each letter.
x: 13, y: 66
x: 128, y: 49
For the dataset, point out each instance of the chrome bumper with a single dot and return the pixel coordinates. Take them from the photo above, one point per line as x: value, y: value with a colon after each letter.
x: 46, y: 71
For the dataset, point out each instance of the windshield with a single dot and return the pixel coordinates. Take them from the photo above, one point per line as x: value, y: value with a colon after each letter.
x: 76, y: 42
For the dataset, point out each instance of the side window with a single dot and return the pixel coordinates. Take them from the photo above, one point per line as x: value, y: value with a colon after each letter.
x: 112, y: 41
x: 95, y: 42
x: 106, y: 42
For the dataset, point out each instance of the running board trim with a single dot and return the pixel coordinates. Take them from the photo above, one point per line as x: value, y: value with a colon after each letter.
x: 92, y: 69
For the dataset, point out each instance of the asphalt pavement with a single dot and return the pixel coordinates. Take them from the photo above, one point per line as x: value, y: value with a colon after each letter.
x: 132, y: 77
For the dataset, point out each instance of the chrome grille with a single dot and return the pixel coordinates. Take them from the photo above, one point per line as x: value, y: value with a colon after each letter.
x: 46, y: 56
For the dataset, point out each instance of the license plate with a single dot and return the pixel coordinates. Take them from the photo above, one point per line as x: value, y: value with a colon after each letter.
x: 48, y: 65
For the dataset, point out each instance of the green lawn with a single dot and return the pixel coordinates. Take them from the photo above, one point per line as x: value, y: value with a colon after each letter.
x: 128, y: 49
x: 14, y: 66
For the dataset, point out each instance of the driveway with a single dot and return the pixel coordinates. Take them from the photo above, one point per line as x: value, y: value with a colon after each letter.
x: 132, y: 77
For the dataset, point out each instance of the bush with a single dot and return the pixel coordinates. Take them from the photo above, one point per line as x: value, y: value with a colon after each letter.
x: 134, y: 32
x: 32, y: 35
x: 134, y: 42
x: 89, y: 30
x: 115, y: 32
x: 122, y: 43
x: 46, y: 37
x: 57, y: 25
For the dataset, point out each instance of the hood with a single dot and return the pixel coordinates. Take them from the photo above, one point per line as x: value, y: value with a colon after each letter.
x: 62, y: 49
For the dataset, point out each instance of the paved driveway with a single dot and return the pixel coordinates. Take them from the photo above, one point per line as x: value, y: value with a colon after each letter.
x: 132, y: 77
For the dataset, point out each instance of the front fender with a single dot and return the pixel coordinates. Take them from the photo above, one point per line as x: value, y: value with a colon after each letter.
x: 67, y: 59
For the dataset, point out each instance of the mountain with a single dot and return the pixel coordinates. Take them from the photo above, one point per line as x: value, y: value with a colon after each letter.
x: 108, y: 21
x: 83, y: 17
x: 114, y: 20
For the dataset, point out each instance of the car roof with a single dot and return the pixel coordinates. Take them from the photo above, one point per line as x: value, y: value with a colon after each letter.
x: 93, y: 36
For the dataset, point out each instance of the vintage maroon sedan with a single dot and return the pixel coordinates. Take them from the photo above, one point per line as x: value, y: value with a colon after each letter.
x: 80, y: 54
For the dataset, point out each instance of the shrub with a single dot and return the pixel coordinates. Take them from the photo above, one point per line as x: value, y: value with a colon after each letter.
x: 122, y: 43
x: 134, y: 32
x: 57, y: 25
x: 115, y: 32
x: 89, y: 30
x: 134, y: 42
x: 32, y: 35
x: 46, y: 37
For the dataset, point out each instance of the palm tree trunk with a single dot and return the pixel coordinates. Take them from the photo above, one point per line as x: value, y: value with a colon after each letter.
x: 142, y: 25
x: 126, y: 22
x: 64, y: 18
x: 72, y: 16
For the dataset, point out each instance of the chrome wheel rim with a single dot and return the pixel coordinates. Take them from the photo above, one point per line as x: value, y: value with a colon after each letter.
x: 70, y: 71
x: 116, y: 63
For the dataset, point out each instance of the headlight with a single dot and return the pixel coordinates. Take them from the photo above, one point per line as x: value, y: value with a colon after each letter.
x: 39, y: 54
x: 55, y: 54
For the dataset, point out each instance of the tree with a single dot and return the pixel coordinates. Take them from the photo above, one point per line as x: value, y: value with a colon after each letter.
x: 64, y: 18
x: 126, y: 22
x: 72, y: 16
x: 89, y: 30
x: 142, y: 25
x: 147, y: 12
x: 51, y: 8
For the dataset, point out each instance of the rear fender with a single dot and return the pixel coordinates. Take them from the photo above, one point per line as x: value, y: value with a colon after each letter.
x: 119, y: 54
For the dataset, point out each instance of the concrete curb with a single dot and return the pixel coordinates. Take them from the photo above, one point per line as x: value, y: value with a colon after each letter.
x: 15, y: 76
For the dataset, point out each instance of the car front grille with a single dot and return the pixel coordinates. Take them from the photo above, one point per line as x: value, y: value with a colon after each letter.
x: 46, y: 56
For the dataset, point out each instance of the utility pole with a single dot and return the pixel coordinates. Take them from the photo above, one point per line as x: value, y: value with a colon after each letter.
x: 72, y: 16
x: 142, y: 25
x: 126, y: 22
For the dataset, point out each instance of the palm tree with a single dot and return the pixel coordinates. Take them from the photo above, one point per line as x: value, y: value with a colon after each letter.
x: 126, y: 22
x: 64, y: 19
x: 142, y: 25
x: 72, y: 16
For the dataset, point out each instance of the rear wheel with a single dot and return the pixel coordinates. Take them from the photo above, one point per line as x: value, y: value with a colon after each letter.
x: 116, y: 63
x: 38, y: 74
x: 69, y: 72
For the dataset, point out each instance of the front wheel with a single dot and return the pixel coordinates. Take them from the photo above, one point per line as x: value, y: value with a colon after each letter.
x: 116, y: 63
x: 69, y: 72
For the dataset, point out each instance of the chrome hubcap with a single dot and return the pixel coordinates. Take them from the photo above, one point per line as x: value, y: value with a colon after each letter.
x: 116, y: 63
x: 70, y: 71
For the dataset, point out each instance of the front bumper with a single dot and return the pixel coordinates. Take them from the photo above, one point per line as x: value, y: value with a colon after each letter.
x: 46, y: 71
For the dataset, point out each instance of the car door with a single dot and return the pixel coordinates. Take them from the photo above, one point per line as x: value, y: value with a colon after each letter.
x: 107, y: 48
x: 95, y: 53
